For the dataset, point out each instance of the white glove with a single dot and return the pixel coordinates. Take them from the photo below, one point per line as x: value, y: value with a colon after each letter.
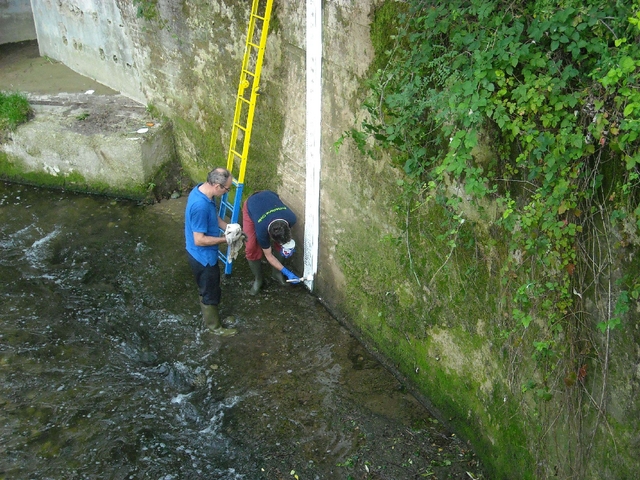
x: 232, y: 232
x: 233, y: 235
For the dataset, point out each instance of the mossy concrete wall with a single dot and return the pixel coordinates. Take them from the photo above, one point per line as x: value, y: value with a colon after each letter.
x: 434, y: 314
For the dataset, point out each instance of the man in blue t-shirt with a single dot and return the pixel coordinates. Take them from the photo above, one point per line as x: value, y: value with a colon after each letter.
x: 266, y: 219
x: 202, y: 226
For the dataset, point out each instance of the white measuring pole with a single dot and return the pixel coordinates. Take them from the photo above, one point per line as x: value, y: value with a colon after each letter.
x: 313, y: 140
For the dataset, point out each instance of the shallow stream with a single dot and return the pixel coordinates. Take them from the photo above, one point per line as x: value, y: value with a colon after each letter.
x: 106, y: 373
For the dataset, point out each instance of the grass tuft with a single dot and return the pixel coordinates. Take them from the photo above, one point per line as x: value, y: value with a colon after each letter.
x: 14, y: 110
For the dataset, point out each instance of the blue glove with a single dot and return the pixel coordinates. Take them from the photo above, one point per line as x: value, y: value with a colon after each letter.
x: 293, y: 278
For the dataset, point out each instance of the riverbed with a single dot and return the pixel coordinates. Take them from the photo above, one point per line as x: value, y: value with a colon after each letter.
x: 105, y: 371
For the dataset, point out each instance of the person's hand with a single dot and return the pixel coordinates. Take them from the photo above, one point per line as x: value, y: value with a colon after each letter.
x: 291, y: 277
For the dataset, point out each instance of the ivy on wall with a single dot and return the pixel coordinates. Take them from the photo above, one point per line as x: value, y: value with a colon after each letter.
x: 534, y: 105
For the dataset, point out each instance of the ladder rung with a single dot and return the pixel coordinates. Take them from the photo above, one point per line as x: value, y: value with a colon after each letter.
x: 254, y: 45
x: 236, y: 153
x: 244, y: 129
x: 253, y: 15
x: 253, y: 74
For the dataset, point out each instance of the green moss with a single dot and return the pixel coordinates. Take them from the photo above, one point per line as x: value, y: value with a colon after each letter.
x: 206, y: 150
x: 146, y: 9
x: 205, y: 146
x: 209, y: 77
x: 13, y: 171
x: 274, y: 22
x: 460, y: 402
x: 402, y: 291
x: 385, y: 24
x: 266, y: 140
x: 477, y: 418
x: 155, y: 113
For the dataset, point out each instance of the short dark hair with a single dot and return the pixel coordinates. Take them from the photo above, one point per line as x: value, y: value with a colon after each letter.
x: 279, y: 231
x: 218, y: 176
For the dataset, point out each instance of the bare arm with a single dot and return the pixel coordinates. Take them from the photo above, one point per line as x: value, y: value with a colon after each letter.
x: 202, y: 240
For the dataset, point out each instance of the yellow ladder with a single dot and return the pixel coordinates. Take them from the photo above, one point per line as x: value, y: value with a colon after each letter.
x: 248, y: 91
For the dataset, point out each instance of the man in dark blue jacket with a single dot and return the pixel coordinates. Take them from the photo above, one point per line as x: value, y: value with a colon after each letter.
x: 267, y: 219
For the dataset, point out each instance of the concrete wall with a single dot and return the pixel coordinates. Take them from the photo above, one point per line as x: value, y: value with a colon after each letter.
x: 92, y: 39
x: 16, y: 21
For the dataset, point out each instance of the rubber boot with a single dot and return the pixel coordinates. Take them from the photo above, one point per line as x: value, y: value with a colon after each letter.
x: 256, y: 269
x: 211, y: 318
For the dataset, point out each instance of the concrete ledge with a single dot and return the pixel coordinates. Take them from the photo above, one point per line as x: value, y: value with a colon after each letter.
x: 89, y: 142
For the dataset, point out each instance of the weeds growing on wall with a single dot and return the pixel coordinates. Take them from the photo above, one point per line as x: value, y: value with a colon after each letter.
x: 552, y: 88
x: 147, y: 9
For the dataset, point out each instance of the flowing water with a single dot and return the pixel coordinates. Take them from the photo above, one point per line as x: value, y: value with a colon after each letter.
x: 106, y: 373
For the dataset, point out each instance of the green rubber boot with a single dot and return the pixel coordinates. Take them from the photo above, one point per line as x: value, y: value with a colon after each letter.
x: 256, y: 269
x: 211, y: 318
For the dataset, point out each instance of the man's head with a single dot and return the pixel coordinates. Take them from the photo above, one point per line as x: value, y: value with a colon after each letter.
x: 219, y: 181
x: 279, y: 231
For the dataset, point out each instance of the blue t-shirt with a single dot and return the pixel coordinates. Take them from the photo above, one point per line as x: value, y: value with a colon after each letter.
x: 201, y: 215
x: 264, y: 207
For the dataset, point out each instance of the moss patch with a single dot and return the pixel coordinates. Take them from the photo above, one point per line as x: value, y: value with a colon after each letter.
x: 13, y: 171
x: 405, y: 290
x: 14, y: 110
x: 266, y: 141
x: 385, y: 24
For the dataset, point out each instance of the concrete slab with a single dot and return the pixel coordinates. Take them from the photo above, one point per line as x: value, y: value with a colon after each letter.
x: 79, y: 138
x: 102, y: 141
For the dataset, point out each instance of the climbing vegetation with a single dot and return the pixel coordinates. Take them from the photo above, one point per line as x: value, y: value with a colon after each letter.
x: 534, y: 106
